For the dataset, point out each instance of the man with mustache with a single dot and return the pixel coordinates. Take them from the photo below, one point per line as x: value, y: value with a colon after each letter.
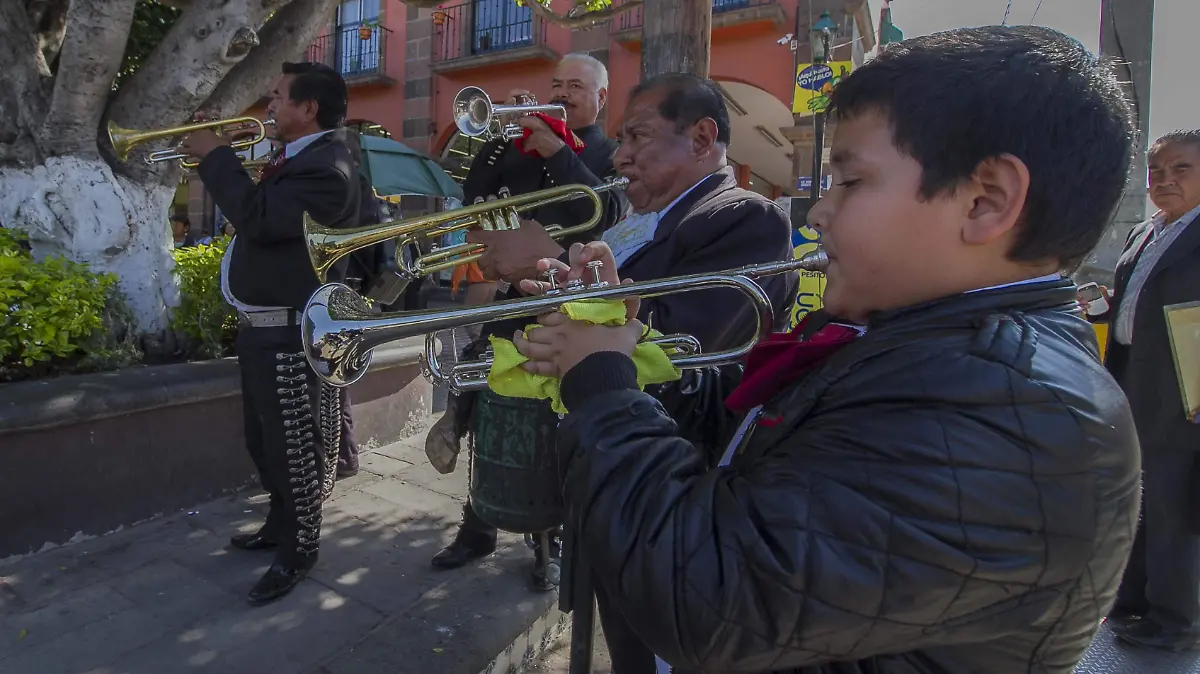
x: 1158, y: 605
x: 543, y: 159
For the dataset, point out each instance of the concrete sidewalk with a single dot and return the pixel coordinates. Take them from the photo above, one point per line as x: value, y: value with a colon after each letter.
x: 169, y: 595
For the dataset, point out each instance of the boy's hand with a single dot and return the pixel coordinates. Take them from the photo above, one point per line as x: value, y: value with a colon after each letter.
x: 561, y: 343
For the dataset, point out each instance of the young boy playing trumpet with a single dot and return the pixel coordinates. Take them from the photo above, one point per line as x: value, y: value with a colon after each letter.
x: 952, y: 489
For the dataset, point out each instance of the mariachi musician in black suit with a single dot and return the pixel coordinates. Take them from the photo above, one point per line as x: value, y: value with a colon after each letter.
x: 500, y: 169
x: 268, y: 277
x: 688, y: 216
x: 1158, y: 604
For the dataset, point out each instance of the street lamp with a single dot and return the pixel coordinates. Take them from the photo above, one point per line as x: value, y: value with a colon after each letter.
x: 822, y: 33
x: 819, y: 39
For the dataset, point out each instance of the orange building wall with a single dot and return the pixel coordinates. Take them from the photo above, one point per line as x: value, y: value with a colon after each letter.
x: 380, y: 103
x: 497, y: 80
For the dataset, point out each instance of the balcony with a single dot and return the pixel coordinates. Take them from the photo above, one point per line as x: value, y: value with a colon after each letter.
x: 357, y: 52
x: 627, y: 27
x: 486, y: 33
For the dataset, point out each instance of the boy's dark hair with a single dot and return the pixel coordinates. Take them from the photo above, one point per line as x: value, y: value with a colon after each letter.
x: 318, y: 82
x: 957, y: 98
x: 687, y: 99
x: 1178, y: 137
x: 181, y: 218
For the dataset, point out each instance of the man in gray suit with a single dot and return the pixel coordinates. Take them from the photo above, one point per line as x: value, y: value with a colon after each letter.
x: 1159, y: 601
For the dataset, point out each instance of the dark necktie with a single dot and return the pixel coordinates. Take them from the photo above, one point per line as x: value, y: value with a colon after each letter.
x: 273, y: 165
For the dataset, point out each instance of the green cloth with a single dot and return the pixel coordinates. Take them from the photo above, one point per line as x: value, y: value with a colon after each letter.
x: 507, y: 378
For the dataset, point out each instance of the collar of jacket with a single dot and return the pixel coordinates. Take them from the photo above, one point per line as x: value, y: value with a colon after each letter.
x: 590, y: 133
x: 722, y: 179
x: 339, y: 135
x: 968, y: 308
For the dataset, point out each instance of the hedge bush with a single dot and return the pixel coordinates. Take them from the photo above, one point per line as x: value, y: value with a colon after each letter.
x: 59, y: 316
x: 207, y: 324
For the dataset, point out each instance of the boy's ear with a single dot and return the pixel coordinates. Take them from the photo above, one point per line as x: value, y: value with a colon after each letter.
x: 997, y: 191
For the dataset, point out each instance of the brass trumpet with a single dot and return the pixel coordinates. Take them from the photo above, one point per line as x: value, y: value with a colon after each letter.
x: 327, y: 245
x: 124, y: 140
x: 475, y: 115
x: 339, y: 331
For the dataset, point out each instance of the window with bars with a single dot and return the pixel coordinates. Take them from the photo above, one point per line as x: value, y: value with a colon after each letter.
x: 501, y: 24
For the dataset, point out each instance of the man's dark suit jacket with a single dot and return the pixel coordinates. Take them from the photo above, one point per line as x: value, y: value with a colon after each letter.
x: 499, y: 164
x: 270, y: 264
x: 1145, y: 369
x: 717, y: 226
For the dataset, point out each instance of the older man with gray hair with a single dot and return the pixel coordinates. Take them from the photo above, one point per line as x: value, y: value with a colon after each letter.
x: 547, y: 157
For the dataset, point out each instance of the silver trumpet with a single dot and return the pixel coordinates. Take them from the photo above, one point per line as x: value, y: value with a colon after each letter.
x: 339, y: 331
x: 475, y: 115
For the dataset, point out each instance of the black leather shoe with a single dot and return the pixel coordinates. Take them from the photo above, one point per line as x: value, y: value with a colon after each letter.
x: 467, y: 546
x: 1149, y: 634
x: 255, y: 541
x: 1119, y: 621
x: 276, y: 583
x: 344, y: 471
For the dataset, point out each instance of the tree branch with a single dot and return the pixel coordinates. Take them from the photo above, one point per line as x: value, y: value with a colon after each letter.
x: 22, y: 95
x: 285, y: 38
x: 48, y: 18
x: 91, y: 56
x: 578, y: 17
x: 203, y: 45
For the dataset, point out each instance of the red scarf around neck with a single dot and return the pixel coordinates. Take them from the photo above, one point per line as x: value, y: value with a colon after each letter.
x: 782, y: 359
x: 559, y: 127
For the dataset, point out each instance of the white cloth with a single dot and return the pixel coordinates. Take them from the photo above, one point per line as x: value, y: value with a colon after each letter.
x: 1162, y: 235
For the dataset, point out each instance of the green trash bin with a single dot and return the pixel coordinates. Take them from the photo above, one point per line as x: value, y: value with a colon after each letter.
x: 515, y: 482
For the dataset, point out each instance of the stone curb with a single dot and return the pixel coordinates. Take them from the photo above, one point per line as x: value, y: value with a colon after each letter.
x: 535, y: 641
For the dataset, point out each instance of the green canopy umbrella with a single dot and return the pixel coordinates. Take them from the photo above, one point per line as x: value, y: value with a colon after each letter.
x: 394, y: 168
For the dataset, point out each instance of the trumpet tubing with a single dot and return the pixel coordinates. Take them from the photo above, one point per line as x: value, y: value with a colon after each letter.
x: 339, y: 331
x: 124, y: 140
x: 327, y: 245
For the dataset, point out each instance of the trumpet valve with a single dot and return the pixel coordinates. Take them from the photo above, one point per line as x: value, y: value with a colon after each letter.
x: 550, y: 274
x: 595, y: 266
x: 514, y: 220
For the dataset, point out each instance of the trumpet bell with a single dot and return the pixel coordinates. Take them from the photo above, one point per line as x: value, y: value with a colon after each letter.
x: 333, y: 347
x: 472, y: 111
x: 122, y: 140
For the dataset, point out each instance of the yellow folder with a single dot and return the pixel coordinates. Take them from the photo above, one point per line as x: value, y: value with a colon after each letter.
x: 1183, y: 326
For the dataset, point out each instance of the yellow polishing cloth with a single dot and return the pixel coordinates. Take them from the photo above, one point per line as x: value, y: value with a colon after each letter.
x: 507, y: 378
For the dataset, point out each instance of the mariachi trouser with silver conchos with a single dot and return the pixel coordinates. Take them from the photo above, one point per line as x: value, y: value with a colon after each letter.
x: 283, y: 404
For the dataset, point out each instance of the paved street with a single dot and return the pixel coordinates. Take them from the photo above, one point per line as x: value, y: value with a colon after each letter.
x: 169, y: 595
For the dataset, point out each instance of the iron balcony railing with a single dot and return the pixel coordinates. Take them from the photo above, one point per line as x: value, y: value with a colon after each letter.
x: 633, y: 18
x: 355, y: 50
x: 484, y: 27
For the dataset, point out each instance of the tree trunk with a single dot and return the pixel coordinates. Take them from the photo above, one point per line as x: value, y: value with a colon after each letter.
x: 676, y: 37
x: 79, y: 208
x: 55, y: 182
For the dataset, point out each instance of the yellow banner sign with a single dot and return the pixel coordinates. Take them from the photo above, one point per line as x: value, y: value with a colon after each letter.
x: 812, y: 283
x: 815, y: 83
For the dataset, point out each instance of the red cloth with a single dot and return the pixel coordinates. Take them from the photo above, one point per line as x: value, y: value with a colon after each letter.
x: 782, y: 359
x: 559, y: 127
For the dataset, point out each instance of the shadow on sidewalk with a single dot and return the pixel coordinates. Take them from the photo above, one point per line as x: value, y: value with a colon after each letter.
x: 169, y: 595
